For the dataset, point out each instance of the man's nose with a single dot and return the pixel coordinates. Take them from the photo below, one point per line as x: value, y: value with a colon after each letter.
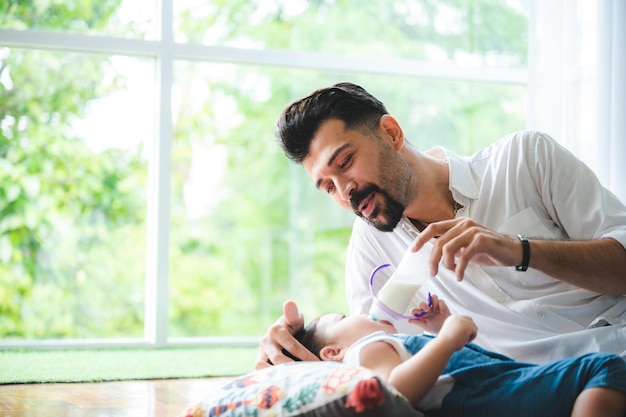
x: 345, y: 190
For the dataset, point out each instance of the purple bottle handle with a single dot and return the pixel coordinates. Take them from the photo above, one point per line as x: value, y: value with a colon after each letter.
x: 382, y: 306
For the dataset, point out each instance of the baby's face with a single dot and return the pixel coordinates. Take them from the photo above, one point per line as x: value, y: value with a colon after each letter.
x: 346, y: 330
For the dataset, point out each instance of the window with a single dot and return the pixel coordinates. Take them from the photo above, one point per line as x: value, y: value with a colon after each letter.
x: 147, y: 200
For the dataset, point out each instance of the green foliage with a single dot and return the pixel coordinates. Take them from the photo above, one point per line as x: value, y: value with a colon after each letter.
x: 77, y: 16
x: 61, y: 201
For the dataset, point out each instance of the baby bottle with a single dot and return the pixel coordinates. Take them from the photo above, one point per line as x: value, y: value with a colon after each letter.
x: 394, y: 297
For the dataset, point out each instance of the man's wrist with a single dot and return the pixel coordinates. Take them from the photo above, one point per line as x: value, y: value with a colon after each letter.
x: 525, y: 254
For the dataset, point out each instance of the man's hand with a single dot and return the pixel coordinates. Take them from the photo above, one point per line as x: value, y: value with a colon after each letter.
x: 462, y: 240
x: 435, y: 316
x: 597, y: 265
x: 279, y: 336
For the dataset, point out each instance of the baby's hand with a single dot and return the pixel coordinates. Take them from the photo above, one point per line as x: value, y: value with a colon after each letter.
x: 434, y: 317
x: 458, y: 330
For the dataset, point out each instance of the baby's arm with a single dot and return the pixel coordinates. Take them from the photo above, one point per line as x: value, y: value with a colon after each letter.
x: 417, y: 376
x: 435, y: 315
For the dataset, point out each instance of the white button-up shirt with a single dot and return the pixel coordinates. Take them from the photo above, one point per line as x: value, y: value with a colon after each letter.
x: 526, y: 183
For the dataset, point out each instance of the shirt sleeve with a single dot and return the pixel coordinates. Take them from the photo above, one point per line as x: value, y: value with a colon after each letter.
x: 572, y: 193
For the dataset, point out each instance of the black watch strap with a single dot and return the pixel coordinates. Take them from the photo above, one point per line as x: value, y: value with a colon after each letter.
x: 525, y: 254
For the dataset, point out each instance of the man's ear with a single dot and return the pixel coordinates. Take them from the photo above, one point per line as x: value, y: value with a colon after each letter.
x: 391, y: 130
x: 333, y: 353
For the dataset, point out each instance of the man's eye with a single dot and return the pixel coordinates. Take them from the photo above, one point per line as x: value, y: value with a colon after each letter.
x: 330, y: 188
x: 346, y: 162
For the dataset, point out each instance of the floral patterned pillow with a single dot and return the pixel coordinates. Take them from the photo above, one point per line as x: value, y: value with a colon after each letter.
x: 305, y: 389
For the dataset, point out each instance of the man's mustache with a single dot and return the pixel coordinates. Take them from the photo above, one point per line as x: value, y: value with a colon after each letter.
x: 359, y: 195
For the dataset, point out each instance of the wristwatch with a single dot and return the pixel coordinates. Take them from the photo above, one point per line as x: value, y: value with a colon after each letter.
x: 525, y: 254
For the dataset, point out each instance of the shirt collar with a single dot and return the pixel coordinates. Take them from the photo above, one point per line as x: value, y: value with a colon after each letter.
x: 463, y: 185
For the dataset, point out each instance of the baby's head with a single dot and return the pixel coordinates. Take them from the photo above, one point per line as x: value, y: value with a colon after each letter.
x: 311, y: 338
x: 329, y: 336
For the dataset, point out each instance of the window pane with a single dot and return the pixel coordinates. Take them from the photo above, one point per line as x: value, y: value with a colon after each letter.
x: 125, y: 18
x: 480, y: 32
x: 73, y: 196
x: 249, y: 229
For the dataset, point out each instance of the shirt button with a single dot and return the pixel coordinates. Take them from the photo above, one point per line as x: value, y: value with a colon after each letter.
x: 501, y: 300
x: 540, y: 314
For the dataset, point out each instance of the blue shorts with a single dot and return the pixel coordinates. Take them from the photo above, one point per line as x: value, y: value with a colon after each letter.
x: 488, y: 384
x: 515, y: 389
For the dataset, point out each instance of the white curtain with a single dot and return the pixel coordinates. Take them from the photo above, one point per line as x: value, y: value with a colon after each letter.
x: 577, y: 81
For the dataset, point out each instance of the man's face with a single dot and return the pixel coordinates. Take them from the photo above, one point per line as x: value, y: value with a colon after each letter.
x: 361, y: 173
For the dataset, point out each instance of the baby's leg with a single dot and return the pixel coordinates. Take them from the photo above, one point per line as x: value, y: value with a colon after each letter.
x: 605, y: 402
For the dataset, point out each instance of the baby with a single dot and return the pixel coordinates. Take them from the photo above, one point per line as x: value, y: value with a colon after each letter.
x: 446, y: 375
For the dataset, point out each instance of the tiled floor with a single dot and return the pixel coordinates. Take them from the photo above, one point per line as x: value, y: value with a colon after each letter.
x: 153, y: 398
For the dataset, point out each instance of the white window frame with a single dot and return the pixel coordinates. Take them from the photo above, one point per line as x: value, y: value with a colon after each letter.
x: 165, y: 51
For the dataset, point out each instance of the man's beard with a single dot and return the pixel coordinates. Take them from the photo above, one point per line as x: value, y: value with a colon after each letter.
x: 391, y: 209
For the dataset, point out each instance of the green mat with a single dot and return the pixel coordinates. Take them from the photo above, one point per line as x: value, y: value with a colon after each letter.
x: 81, y: 365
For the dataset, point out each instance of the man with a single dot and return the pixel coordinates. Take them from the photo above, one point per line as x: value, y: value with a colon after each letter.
x: 525, y: 240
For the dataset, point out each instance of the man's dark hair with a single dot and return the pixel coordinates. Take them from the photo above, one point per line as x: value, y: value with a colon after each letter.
x: 345, y: 101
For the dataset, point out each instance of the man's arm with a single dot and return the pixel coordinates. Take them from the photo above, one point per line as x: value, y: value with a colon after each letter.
x: 596, y: 265
x: 280, y: 336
